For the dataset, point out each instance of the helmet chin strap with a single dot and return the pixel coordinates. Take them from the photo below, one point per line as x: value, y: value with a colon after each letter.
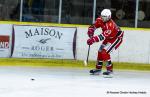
x: 105, y: 19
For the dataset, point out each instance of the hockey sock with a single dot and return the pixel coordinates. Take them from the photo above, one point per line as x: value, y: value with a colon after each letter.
x: 99, y: 64
x: 99, y: 61
x: 109, y: 66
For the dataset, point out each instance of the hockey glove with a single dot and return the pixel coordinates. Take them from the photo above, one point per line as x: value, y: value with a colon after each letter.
x: 93, y: 40
x: 91, y: 30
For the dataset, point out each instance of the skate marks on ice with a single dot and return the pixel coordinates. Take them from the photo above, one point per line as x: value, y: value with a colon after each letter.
x: 60, y: 82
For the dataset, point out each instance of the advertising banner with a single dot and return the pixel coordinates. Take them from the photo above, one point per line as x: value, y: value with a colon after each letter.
x: 44, y: 42
x: 5, y: 40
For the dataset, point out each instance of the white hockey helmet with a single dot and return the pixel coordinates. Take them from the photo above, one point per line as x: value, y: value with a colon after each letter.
x: 106, y: 15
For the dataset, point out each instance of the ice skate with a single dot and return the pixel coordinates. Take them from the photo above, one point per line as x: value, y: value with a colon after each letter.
x: 95, y: 71
x: 108, y: 74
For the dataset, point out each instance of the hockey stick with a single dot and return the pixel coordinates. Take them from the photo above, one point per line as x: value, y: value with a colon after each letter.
x: 87, y: 59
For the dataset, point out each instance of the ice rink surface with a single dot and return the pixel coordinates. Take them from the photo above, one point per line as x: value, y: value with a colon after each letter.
x: 60, y: 82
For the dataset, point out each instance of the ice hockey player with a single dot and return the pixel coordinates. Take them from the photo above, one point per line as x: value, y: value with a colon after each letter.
x: 111, y: 38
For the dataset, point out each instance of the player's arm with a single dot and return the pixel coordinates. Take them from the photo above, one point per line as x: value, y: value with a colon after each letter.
x: 93, y: 27
x: 104, y: 35
x: 94, y: 39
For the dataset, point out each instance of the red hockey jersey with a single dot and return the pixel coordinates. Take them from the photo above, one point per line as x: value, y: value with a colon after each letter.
x: 109, y: 29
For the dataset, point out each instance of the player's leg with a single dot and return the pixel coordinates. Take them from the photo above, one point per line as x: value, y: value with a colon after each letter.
x: 106, y: 57
x: 109, y: 49
x: 99, y: 63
